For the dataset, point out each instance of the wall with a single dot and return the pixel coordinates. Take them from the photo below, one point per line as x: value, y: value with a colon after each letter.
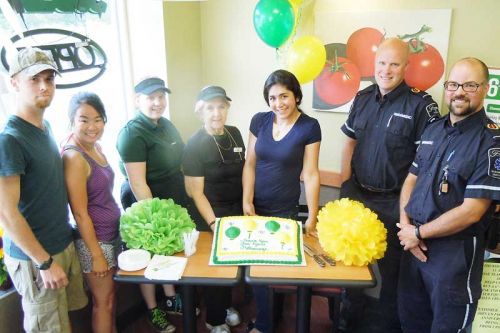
x: 184, y: 62
x: 233, y: 56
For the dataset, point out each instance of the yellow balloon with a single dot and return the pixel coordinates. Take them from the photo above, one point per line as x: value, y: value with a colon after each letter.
x: 306, y: 58
x: 295, y: 3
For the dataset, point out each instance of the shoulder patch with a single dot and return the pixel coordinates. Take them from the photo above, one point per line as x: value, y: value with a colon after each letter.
x: 494, y: 163
x: 432, y: 112
x: 493, y: 129
x: 420, y: 93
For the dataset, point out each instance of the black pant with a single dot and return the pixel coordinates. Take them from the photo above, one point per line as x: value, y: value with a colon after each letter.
x: 381, y: 316
x: 218, y: 299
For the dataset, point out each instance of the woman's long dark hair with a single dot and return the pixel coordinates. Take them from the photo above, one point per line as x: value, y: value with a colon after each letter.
x: 286, y: 79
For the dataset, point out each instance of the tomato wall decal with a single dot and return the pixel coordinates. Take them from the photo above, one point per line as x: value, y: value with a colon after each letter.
x: 339, y: 81
x: 425, y: 67
x: 361, y: 48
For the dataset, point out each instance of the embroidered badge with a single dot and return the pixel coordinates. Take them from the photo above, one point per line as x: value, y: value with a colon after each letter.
x: 494, y: 163
x: 433, y: 112
x: 492, y: 126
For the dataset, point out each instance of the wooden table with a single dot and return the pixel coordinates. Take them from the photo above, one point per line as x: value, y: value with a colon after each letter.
x: 312, y: 275
x: 197, y: 272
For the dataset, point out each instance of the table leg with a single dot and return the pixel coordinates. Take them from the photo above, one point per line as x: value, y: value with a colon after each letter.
x: 303, y: 316
x: 189, y: 308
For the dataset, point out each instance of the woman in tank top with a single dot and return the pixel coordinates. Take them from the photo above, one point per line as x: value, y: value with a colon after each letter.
x: 89, y: 182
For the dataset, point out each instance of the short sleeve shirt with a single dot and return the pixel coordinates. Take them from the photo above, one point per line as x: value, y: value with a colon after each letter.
x: 279, y: 163
x: 387, y: 131
x: 467, y: 155
x: 159, y: 145
x: 32, y: 154
x: 219, y: 159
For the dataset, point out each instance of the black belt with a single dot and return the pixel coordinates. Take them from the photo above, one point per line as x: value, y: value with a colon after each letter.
x: 372, y: 189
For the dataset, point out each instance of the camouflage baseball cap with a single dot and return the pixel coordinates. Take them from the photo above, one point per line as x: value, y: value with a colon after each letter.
x: 31, y: 61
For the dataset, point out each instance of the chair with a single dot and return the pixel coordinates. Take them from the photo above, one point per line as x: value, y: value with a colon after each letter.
x: 333, y: 294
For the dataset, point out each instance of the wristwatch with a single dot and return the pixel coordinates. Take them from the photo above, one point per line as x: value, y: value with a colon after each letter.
x: 45, y: 265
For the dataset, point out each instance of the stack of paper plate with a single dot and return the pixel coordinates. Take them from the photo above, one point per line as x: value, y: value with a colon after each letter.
x: 133, y: 259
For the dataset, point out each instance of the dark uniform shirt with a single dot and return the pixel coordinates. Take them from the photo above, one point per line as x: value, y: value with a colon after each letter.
x: 466, y: 157
x: 219, y: 159
x: 387, y: 130
x: 159, y: 145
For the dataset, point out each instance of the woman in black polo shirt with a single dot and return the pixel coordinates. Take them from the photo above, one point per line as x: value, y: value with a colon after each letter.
x: 213, y: 165
x: 150, y: 149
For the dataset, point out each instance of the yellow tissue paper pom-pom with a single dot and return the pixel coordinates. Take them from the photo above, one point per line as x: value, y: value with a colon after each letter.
x: 351, y: 233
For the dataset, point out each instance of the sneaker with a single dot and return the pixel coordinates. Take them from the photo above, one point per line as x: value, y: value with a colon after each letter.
x: 158, y: 319
x: 233, y: 317
x: 173, y: 305
x: 218, y: 329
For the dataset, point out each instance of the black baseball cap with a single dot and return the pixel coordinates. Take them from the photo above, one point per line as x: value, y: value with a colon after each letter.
x: 150, y: 85
x: 212, y: 92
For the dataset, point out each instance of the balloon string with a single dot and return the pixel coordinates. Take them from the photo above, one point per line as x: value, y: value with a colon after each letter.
x: 280, y: 51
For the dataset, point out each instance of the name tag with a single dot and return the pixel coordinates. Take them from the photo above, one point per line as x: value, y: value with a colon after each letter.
x: 238, y: 149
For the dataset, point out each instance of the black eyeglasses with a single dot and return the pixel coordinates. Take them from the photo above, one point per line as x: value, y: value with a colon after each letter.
x: 467, y: 86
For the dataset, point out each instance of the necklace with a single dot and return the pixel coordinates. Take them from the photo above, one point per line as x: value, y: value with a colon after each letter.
x: 232, y: 143
x: 279, y: 131
x: 219, y: 144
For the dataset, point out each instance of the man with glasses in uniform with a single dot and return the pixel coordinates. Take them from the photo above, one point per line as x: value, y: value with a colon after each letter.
x: 447, y: 201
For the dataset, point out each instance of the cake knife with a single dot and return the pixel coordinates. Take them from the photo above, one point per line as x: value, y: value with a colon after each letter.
x: 325, y: 257
x: 316, y: 258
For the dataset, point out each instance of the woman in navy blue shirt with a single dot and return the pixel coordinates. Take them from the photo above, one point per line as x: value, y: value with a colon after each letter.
x: 283, y: 143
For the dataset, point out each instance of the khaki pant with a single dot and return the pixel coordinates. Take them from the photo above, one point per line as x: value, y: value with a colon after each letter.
x: 46, y: 310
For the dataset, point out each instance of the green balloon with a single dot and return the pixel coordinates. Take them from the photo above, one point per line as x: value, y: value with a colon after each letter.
x: 274, y: 21
x: 272, y: 226
x: 233, y: 232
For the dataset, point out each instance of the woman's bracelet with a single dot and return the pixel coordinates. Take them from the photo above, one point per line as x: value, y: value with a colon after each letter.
x: 211, y: 223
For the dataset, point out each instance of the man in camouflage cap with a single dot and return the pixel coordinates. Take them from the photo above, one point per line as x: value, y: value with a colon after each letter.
x: 39, y: 251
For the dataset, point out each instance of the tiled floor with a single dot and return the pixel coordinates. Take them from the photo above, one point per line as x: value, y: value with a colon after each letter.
x: 319, y: 316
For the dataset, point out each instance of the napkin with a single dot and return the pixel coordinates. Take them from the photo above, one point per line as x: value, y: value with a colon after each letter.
x: 190, y: 239
x: 165, y: 268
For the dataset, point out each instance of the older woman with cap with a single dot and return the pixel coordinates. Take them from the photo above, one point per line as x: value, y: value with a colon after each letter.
x: 213, y: 166
x: 151, y: 149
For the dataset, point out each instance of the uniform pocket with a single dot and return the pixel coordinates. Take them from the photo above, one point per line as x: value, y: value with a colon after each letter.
x: 42, y: 317
x: 399, y: 129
